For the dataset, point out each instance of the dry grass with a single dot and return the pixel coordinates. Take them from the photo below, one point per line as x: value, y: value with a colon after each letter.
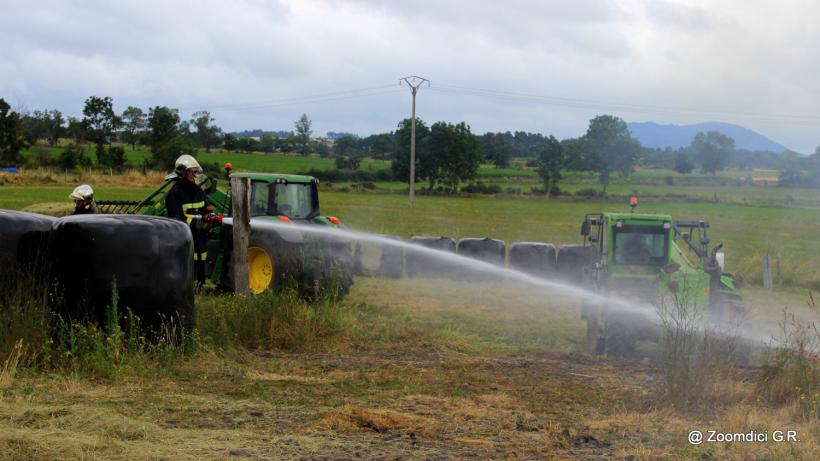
x: 43, y: 176
x: 355, y: 419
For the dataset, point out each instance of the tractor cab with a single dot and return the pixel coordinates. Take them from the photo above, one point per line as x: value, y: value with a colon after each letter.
x: 286, y: 198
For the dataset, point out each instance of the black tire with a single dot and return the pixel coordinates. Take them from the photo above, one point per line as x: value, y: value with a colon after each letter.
x: 422, y: 264
x: 537, y: 259
x: 571, y: 261
x: 151, y: 259
x: 24, y: 241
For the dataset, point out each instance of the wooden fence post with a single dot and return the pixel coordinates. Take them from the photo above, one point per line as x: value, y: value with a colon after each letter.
x: 767, y: 272
x: 240, y: 210
x: 778, y: 272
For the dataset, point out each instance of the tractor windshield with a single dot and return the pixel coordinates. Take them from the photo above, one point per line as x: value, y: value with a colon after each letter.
x: 294, y: 200
x: 641, y: 245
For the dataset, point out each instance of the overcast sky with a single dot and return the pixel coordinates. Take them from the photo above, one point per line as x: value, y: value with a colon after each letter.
x: 541, y: 66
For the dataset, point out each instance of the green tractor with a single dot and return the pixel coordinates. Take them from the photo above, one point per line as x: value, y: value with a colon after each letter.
x: 276, y: 254
x: 650, y: 259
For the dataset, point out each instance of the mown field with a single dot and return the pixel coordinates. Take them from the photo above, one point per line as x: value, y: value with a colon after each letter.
x: 746, y: 229
x: 412, y: 368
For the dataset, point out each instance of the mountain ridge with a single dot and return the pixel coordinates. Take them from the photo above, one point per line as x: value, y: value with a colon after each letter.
x: 655, y: 135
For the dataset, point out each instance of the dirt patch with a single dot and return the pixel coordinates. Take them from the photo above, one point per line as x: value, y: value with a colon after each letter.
x: 355, y: 419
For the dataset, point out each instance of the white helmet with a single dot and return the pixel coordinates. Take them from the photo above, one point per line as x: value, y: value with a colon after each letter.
x: 83, y: 192
x: 183, y: 164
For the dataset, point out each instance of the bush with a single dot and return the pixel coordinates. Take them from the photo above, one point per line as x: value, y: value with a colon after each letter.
x: 73, y: 156
x: 792, y: 372
x: 694, y: 357
x: 165, y: 156
x: 482, y: 188
x: 348, y: 162
x: 349, y: 175
x: 587, y: 193
x: 111, y: 157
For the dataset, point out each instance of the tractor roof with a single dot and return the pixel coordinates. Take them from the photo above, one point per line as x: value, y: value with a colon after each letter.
x: 638, y: 217
x: 270, y: 177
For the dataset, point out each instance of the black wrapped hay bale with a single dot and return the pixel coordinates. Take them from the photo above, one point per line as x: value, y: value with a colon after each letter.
x: 489, y: 250
x: 379, y: 258
x: 151, y: 259
x: 391, y: 262
x: 534, y: 258
x: 23, y: 242
x: 572, y: 259
x: 423, y: 264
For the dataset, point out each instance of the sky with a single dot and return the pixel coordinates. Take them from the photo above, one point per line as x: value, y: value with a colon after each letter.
x: 538, y: 66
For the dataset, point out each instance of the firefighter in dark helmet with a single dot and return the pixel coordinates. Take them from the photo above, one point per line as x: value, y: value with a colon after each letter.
x: 186, y: 201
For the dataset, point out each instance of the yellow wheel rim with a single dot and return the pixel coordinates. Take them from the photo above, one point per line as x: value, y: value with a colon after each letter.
x: 260, y: 270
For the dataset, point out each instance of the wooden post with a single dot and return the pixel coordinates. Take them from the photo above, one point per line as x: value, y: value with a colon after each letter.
x: 778, y: 272
x: 767, y: 272
x: 240, y: 211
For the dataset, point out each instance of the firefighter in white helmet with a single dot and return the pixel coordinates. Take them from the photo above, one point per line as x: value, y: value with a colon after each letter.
x: 83, y: 197
x: 186, y: 201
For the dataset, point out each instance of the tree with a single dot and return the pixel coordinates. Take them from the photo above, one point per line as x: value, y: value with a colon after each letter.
x: 455, y: 152
x: 11, y: 140
x: 134, y: 124
x: 713, y: 150
x: 683, y: 162
x: 100, y: 121
x: 76, y: 130
x: 609, y: 148
x: 426, y: 168
x: 549, y: 163
x: 345, y: 144
x: 41, y: 124
x: 380, y: 145
x: 498, y: 148
x: 207, y: 134
x: 791, y: 171
x: 229, y: 142
x: 303, y: 132
x: 163, y: 128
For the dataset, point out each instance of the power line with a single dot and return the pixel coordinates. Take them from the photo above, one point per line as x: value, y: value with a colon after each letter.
x: 322, y: 97
x: 629, y: 107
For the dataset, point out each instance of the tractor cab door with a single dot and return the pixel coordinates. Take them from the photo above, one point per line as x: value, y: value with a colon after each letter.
x: 296, y: 200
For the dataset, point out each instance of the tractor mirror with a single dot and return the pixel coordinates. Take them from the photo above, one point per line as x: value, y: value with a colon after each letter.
x: 585, y: 228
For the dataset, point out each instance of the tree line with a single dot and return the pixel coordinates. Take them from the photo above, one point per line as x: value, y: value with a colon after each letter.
x: 447, y: 155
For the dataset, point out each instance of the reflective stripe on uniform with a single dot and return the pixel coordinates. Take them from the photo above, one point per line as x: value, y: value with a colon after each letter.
x: 191, y: 206
x: 201, y: 256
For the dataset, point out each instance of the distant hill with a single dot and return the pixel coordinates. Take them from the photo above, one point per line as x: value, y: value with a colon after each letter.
x: 653, y: 135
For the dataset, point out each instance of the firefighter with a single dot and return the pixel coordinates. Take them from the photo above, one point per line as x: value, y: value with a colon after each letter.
x: 186, y: 201
x: 83, y: 197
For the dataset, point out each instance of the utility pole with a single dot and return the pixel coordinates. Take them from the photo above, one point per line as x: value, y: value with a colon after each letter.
x: 414, y: 82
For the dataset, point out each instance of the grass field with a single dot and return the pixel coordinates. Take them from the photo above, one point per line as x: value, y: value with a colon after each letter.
x: 414, y: 368
x: 747, y: 230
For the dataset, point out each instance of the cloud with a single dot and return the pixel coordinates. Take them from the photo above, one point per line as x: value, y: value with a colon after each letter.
x: 668, y: 61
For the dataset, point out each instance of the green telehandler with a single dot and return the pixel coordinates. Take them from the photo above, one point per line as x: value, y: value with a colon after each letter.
x: 651, y: 259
